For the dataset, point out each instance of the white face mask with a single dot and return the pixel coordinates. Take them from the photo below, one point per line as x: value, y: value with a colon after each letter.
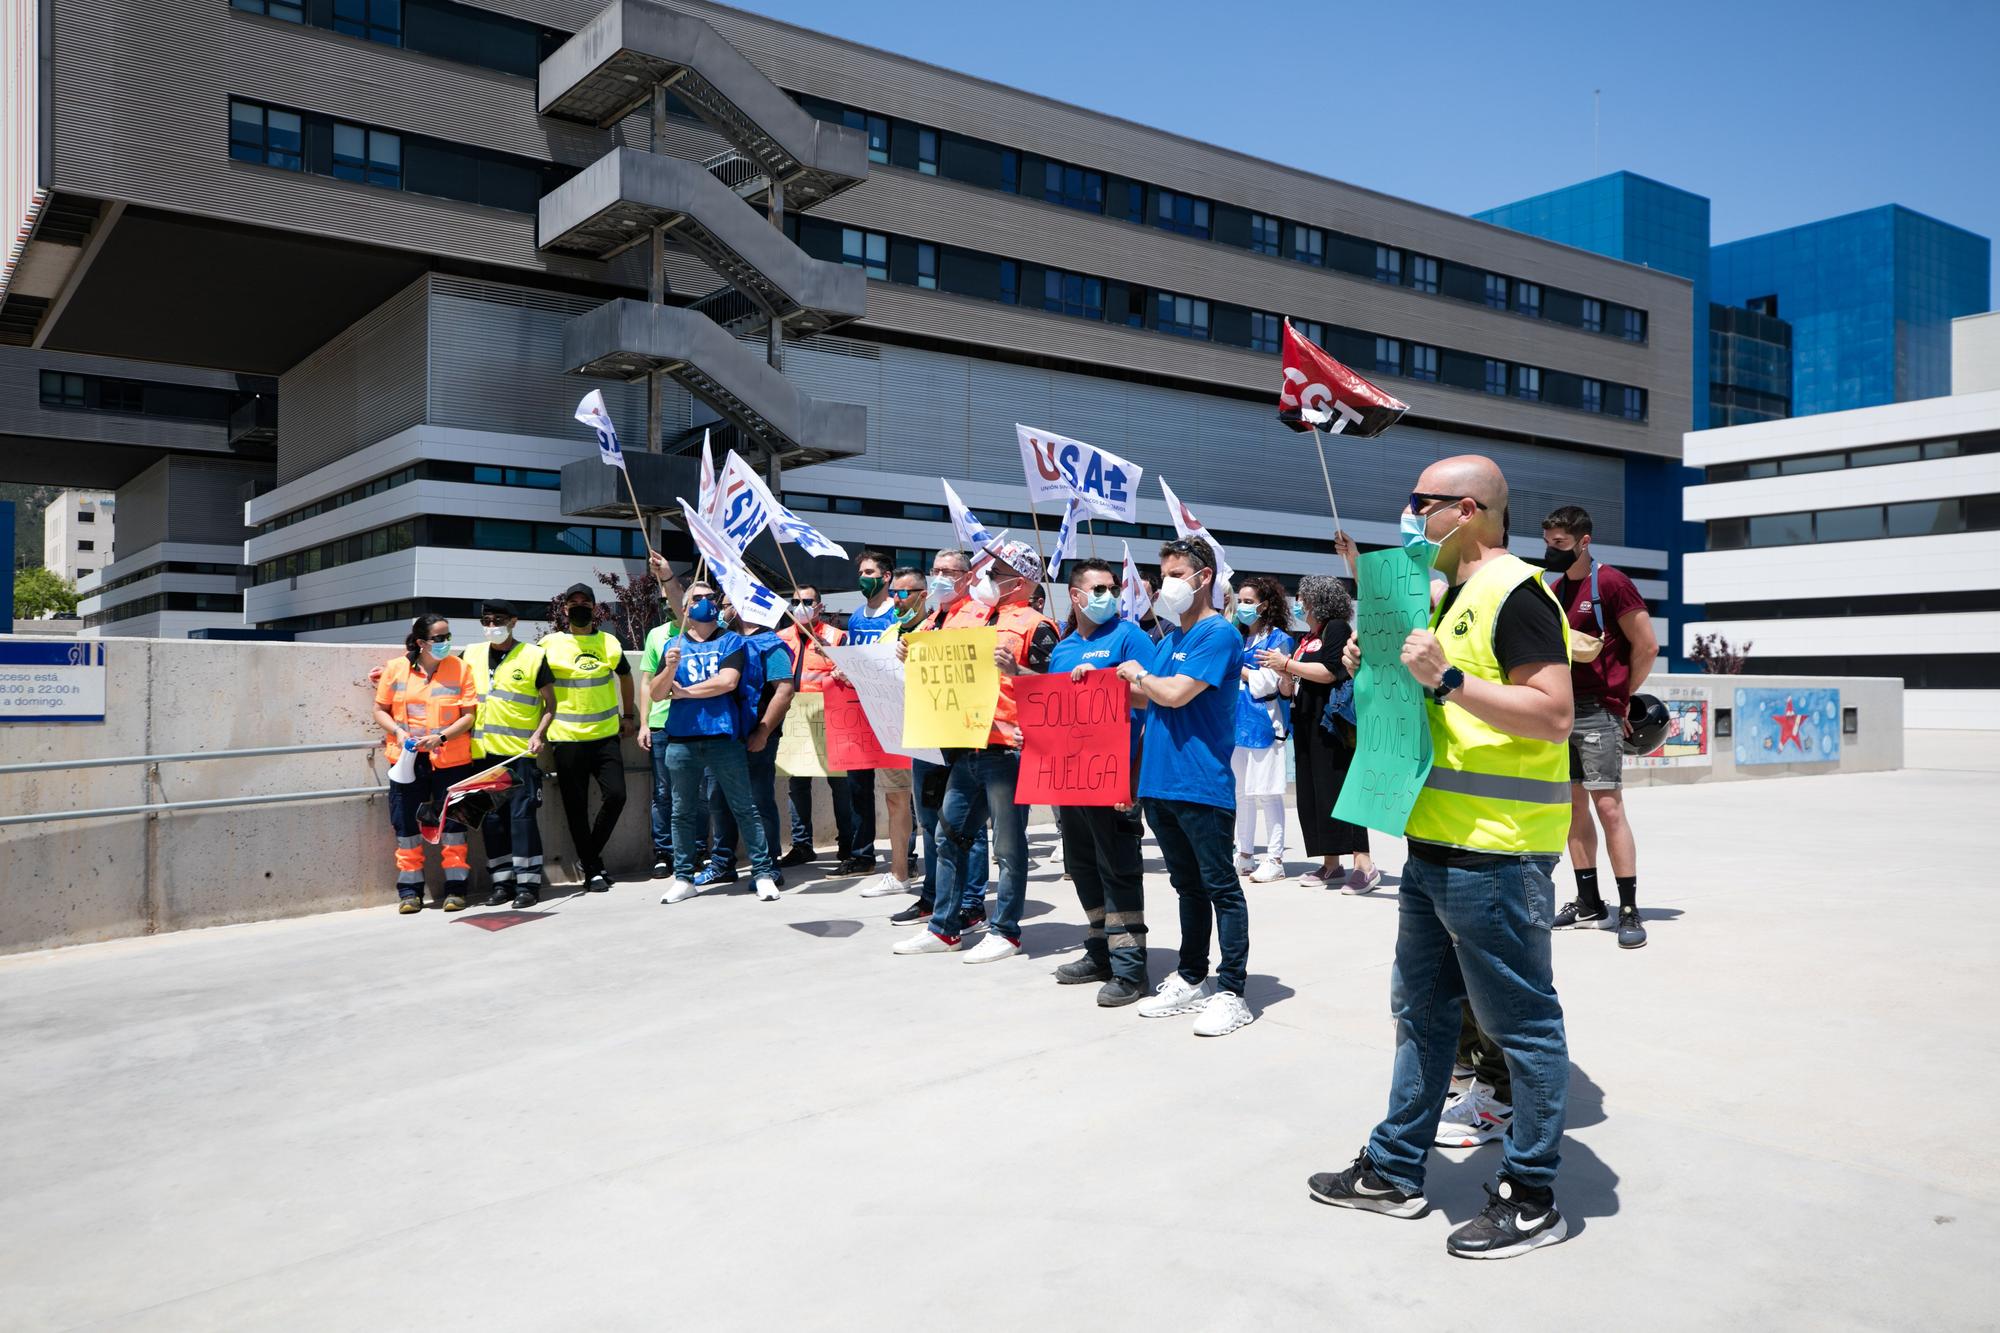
x: 497, y: 633
x: 984, y: 590
x: 1176, y: 596
x: 805, y: 612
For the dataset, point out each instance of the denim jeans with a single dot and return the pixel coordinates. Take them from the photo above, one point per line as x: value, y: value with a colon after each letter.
x: 1478, y: 933
x: 663, y: 806
x: 1101, y: 851
x: 981, y: 785
x: 763, y: 768
x: 1197, y: 842
x: 861, y: 799
x: 975, y: 880
x: 723, y: 756
x: 801, y: 792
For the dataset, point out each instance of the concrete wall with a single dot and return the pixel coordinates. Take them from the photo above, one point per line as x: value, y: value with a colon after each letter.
x: 1876, y: 746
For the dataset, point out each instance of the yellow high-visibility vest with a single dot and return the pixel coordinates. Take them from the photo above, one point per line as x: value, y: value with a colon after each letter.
x: 584, y: 666
x: 510, y: 707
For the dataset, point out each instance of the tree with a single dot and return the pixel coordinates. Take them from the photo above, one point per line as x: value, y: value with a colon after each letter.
x: 39, y: 592
x: 1718, y: 656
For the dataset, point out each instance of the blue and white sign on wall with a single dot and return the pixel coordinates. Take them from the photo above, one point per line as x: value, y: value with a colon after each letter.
x: 1787, y: 726
x: 52, y: 682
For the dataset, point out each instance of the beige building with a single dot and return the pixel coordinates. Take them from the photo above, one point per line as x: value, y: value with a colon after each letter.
x: 76, y: 533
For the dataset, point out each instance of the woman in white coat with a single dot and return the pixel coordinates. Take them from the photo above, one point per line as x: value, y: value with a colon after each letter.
x: 1263, y: 721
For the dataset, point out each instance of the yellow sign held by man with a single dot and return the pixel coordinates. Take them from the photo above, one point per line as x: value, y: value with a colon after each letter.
x: 950, y: 688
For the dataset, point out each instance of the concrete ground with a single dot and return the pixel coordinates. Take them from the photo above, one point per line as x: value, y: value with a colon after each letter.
x: 733, y: 1115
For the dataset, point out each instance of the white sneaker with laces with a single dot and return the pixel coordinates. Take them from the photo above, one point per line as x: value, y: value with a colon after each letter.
x: 884, y: 885
x: 1223, y: 1014
x: 1473, y: 1117
x: 1267, y: 871
x: 1245, y: 864
x: 767, y: 889
x: 678, y: 891
x: 992, y: 949
x: 926, y: 941
x: 1176, y: 995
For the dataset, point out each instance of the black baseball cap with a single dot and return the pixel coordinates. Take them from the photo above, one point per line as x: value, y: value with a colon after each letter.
x: 498, y: 608
x: 583, y: 588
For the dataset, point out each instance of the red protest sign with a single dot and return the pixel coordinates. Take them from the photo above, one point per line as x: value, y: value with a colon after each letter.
x: 1076, y: 740
x: 850, y: 741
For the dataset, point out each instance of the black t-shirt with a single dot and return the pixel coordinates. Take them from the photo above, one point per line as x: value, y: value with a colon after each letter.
x: 1309, y: 697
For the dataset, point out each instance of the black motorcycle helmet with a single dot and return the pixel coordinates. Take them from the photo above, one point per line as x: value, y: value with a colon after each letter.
x: 1650, y: 725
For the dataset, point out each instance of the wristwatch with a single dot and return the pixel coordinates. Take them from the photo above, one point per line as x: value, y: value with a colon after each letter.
x: 1451, y: 680
x: 1143, y: 673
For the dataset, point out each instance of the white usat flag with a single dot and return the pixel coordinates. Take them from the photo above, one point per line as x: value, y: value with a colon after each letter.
x: 1135, y: 601
x: 1065, y: 546
x: 743, y: 504
x: 754, y: 603
x: 709, y: 493
x: 592, y: 413
x: 1187, y: 525
x: 789, y: 527
x: 1059, y: 468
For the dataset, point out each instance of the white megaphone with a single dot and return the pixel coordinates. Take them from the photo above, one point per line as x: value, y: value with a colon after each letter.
x: 406, y: 764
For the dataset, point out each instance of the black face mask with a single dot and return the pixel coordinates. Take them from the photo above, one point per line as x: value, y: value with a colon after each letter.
x: 582, y: 617
x: 1556, y: 561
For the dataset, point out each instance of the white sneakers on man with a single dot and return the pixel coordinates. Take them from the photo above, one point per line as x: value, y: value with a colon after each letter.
x: 927, y: 941
x: 1473, y: 1117
x: 1176, y: 995
x: 767, y: 889
x: 1223, y: 1014
x: 991, y: 949
x: 1268, y: 871
x: 886, y: 885
x: 678, y: 891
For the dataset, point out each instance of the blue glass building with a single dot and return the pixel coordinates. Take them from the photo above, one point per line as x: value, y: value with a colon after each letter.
x: 1870, y: 297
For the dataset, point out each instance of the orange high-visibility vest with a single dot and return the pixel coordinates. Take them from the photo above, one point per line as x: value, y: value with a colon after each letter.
x: 424, y: 707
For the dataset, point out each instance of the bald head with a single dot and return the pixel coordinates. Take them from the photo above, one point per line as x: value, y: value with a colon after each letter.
x: 1479, y: 477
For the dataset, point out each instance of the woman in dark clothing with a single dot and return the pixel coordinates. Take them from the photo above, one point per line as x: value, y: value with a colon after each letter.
x: 1309, y: 675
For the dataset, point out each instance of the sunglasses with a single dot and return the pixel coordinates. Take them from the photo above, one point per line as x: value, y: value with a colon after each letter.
x: 441, y: 638
x: 1198, y: 554
x: 495, y: 622
x: 1422, y: 500
x: 900, y: 593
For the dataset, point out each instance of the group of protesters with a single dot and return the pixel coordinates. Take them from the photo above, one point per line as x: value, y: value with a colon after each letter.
x: 1219, y: 679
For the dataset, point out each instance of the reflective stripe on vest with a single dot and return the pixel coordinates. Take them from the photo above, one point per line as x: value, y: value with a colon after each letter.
x: 1489, y: 791
x: 507, y: 718
x: 587, y: 706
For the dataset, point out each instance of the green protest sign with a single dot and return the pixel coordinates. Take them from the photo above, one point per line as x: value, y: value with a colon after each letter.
x: 1392, y: 750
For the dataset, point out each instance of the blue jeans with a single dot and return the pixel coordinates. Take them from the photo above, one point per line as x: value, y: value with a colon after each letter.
x: 763, y: 768
x: 981, y: 785
x: 724, y: 757
x: 1198, y: 843
x: 1480, y: 934
x: 976, y: 864
x: 861, y: 799
x: 801, y: 792
x: 663, y: 806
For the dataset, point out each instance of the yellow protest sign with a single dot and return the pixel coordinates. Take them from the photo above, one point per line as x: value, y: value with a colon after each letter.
x: 950, y: 687
x: 802, y: 746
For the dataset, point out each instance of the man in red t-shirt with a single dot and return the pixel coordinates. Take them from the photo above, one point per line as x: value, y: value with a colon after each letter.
x: 1602, y: 605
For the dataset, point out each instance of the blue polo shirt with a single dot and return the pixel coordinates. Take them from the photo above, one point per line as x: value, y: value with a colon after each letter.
x: 1106, y: 645
x: 864, y: 626
x: 1188, y: 748
x: 701, y: 659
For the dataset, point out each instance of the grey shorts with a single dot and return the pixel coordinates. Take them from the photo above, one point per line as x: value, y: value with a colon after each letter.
x: 1596, y: 748
x: 892, y: 779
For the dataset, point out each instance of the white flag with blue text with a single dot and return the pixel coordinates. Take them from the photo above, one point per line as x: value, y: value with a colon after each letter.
x: 1065, y: 547
x: 753, y: 601
x: 789, y: 527
x: 1135, y: 600
x: 592, y: 413
x: 743, y: 504
x: 972, y: 534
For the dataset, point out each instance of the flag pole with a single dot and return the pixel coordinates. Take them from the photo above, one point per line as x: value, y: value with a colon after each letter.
x: 1036, y: 518
x: 1327, y: 477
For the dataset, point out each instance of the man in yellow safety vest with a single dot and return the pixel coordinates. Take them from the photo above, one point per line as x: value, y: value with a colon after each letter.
x: 517, y: 703
x: 592, y: 715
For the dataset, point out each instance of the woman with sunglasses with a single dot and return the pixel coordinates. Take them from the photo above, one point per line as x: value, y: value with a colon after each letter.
x: 428, y: 697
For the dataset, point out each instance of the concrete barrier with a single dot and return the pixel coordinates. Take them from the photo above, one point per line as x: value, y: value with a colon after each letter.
x: 1871, y: 705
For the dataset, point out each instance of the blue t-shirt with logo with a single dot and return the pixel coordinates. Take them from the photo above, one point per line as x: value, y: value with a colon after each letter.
x: 701, y: 659
x: 1105, y: 646
x: 1188, y: 748
x: 1253, y: 716
x: 865, y: 626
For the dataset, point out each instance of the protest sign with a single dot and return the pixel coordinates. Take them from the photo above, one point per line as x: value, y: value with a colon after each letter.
x: 950, y: 687
x: 1076, y: 740
x: 1392, y: 751
x: 851, y: 742
x: 876, y: 676
x: 802, y: 746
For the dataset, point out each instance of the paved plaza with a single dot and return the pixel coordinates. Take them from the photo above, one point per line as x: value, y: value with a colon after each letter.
x: 734, y: 1115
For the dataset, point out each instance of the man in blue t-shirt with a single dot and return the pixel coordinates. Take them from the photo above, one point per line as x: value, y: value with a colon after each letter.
x: 1189, y: 790
x: 1101, y: 842
x: 761, y: 752
x: 866, y: 624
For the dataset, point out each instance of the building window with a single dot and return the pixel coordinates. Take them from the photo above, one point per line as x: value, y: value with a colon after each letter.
x: 1632, y: 327
x: 371, y: 20
x: 1528, y: 299
x: 1496, y: 377
x: 1388, y: 356
x: 865, y: 250
x: 1010, y: 282
x: 1266, y: 331
x: 927, y: 265
x: 1183, y: 316
x: 1632, y: 403
x: 1528, y: 383
x: 121, y: 396
x: 1311, y: 330
x: 1424, y: 274
x: 85, y: 516
x: 1591, y: 397
x: 1073, y: 187
x: 60, y: 390
x: 85, y: 545
x: 1010, y: 170
x: 927, y: 151
x: 373, y: 157
x: 1073, y: 294
x: 1423, y: 362
x: 1593, y: 314
x: 1182, y: 213
x: 1309, y: 246
x: 1496, y: 291
x: 277, y: 9
x: 1388, y: 264
x: 875, y: 127
x: 1264, y: 233
x: 266, y: 135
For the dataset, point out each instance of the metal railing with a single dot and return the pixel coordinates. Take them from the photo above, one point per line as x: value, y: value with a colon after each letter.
x: 152, y: 763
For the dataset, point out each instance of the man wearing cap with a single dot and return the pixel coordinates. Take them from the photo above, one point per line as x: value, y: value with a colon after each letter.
x: 517, y: 702
x: 592, y: 716
x: 981, y: 782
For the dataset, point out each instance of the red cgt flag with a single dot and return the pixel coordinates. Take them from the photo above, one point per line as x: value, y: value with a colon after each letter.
x: 1319, y: 391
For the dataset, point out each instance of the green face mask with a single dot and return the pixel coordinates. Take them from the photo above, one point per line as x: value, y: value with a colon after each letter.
x: 870, y: 585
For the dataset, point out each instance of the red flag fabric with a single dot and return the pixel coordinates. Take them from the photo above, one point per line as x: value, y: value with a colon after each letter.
x: 1316, y: 385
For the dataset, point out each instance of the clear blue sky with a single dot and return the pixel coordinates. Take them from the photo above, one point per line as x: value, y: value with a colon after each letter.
x: 1780, y: 111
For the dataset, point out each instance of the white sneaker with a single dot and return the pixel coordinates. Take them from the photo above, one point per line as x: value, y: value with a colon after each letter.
x: 991, y: 949
x: 1176, y: 995
x: 767, y: 889
x: 1270, y: 870
x: 1223, y: 1014
x: 1244, y: 864
x: 1473, y: 1117
x: 927, y: 941
x: 678, y: 891
x: 884, y: 885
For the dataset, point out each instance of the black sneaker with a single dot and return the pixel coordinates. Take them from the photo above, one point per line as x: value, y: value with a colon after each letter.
x: 598, y: 883
x: 663, y: 870
x: 526, y: 898
x: 454, y: 902
x: 854, y: 865
x: 973, y: 920
x: 1082, y: 971
x: 1118, y: 991
x: 1359, y: 1187
x: 1516, y: 1219
x: 1631, y: 935
x: 799, y: 855
x: 1576, y: 916
x: 916, y: 914
x: 501, y: 896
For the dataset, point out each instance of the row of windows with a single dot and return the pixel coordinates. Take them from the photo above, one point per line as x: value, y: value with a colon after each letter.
x: 1873, y: 456
x: 1914, y: 518
x: 103, y: 393
x: 461, y: 532
x: 1884, y: 604
x: 290, y: 140
x: 167, y: 601
x: 480, y: 474
x: 992, y: 166
x: 1086, y: 296
x: 435, y: 27
x: 169, y: 567
x: 1919, y: 671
